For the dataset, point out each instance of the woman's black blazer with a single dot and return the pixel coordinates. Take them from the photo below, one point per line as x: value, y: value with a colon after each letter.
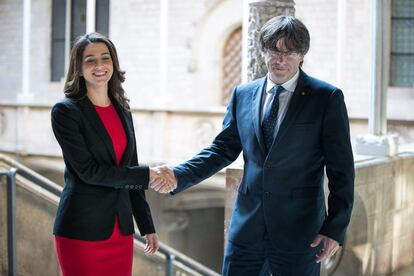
x: 96, y: 189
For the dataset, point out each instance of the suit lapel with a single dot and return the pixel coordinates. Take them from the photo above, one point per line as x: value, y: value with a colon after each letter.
x: 298, y: 100
x: 256, y: 110
x: 93, y: 118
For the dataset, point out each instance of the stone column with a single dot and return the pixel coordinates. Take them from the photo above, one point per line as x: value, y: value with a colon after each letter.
x: 379, y: 67
x: 258, y: 12
x: 68, y: 23
x: 90, y: 16
x: 163, y: 58
x: 25, y: 95
x: 378, y: 142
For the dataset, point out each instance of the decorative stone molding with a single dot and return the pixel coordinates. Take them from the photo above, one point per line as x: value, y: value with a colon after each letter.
x: 3, y: 123
x: 369, y: 144
x: 205, y: 131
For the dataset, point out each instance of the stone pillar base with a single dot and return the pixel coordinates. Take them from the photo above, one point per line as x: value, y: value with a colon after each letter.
x: 369, y: 144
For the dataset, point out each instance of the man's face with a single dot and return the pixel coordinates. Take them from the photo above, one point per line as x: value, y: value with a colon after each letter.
x: 281, y: 64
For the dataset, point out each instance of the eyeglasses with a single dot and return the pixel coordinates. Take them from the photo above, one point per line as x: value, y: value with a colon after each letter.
x: 276, y: 53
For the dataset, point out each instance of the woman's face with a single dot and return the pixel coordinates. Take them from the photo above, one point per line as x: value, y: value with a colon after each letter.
x: 97, y: 66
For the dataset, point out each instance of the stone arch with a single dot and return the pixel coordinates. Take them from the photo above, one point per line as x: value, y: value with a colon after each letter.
x: 231, y: 64
x: 210, y: 36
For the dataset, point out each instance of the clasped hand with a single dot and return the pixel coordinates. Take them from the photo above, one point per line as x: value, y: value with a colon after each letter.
x: 162, y: 179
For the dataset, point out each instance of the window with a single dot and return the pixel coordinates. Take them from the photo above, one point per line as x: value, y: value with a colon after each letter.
x: 77, y: 19
x: 77, y: 23
x: 58, y: 39
x: 102, y: 17
x: 402, y: 44
x: 232, y: 64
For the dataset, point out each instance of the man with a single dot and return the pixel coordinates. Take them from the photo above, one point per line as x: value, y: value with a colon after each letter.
x: 290, y: 128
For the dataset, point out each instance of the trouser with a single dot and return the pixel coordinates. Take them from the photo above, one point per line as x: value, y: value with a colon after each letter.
x: 262, y: 258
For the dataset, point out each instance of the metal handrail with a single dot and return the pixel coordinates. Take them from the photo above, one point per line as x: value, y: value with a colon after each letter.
x: 11, y: 219
x: 32, y: 176
x: 171, y: 255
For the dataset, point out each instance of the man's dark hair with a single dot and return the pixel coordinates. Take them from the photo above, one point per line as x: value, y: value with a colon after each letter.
x: 291, y: 30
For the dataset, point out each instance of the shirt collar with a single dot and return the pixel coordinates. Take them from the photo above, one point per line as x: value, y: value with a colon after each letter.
x: 289, y: 86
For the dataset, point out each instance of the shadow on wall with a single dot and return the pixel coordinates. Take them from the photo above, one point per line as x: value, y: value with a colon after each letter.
x: 356, y: 246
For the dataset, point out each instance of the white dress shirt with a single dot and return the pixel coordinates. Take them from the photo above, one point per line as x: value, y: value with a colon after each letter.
x: 284, y: 98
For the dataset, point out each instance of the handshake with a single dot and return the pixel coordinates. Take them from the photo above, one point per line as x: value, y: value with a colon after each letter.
x: 162, y: 179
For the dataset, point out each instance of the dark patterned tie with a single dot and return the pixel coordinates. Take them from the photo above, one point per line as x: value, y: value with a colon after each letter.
x: 270, y: 116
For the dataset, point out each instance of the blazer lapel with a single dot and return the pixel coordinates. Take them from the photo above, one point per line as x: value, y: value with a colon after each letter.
x: 127, y: 123
x: 299, y: 98
x: 93, y: 118
x: 256, y: 110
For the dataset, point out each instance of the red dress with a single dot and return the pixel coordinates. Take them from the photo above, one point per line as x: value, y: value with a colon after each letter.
x: 111, y: 257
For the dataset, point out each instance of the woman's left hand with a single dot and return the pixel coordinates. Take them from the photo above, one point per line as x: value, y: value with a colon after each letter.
x: 152, y: 244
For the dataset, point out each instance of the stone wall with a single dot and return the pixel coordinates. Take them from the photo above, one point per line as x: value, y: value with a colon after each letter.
x: 340, y: 53
x: 194, y: 41
x: 10, y: 49
x: 191, y: 71
x: 380, y: 237
x: 163, y: 136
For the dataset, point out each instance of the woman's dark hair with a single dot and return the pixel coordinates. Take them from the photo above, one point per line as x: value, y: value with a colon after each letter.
x: 291, y: 30
x: 75, y: 87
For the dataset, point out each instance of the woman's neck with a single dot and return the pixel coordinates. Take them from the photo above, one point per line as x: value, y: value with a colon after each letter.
x: 98, y: 96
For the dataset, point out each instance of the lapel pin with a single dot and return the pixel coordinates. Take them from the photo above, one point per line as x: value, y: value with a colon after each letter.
x: 303, y: 93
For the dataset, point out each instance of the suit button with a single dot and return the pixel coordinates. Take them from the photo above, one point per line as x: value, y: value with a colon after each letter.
x: 126, y: 186
x: 136, y: 186
x: 140, y: 186
x: 268, y: 166
x: 266, y: 194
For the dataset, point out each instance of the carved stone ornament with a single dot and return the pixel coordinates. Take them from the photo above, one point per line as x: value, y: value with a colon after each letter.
x: 205, y: 131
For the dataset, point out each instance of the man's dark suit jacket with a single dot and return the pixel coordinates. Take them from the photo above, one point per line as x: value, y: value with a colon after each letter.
x: 282, y: 191
x: 96, y: 189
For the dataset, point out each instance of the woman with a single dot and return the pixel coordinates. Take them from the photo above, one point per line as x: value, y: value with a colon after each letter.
x: 104, y: 185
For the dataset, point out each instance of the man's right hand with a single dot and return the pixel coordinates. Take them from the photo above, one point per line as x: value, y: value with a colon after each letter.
x: 162, y: 179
